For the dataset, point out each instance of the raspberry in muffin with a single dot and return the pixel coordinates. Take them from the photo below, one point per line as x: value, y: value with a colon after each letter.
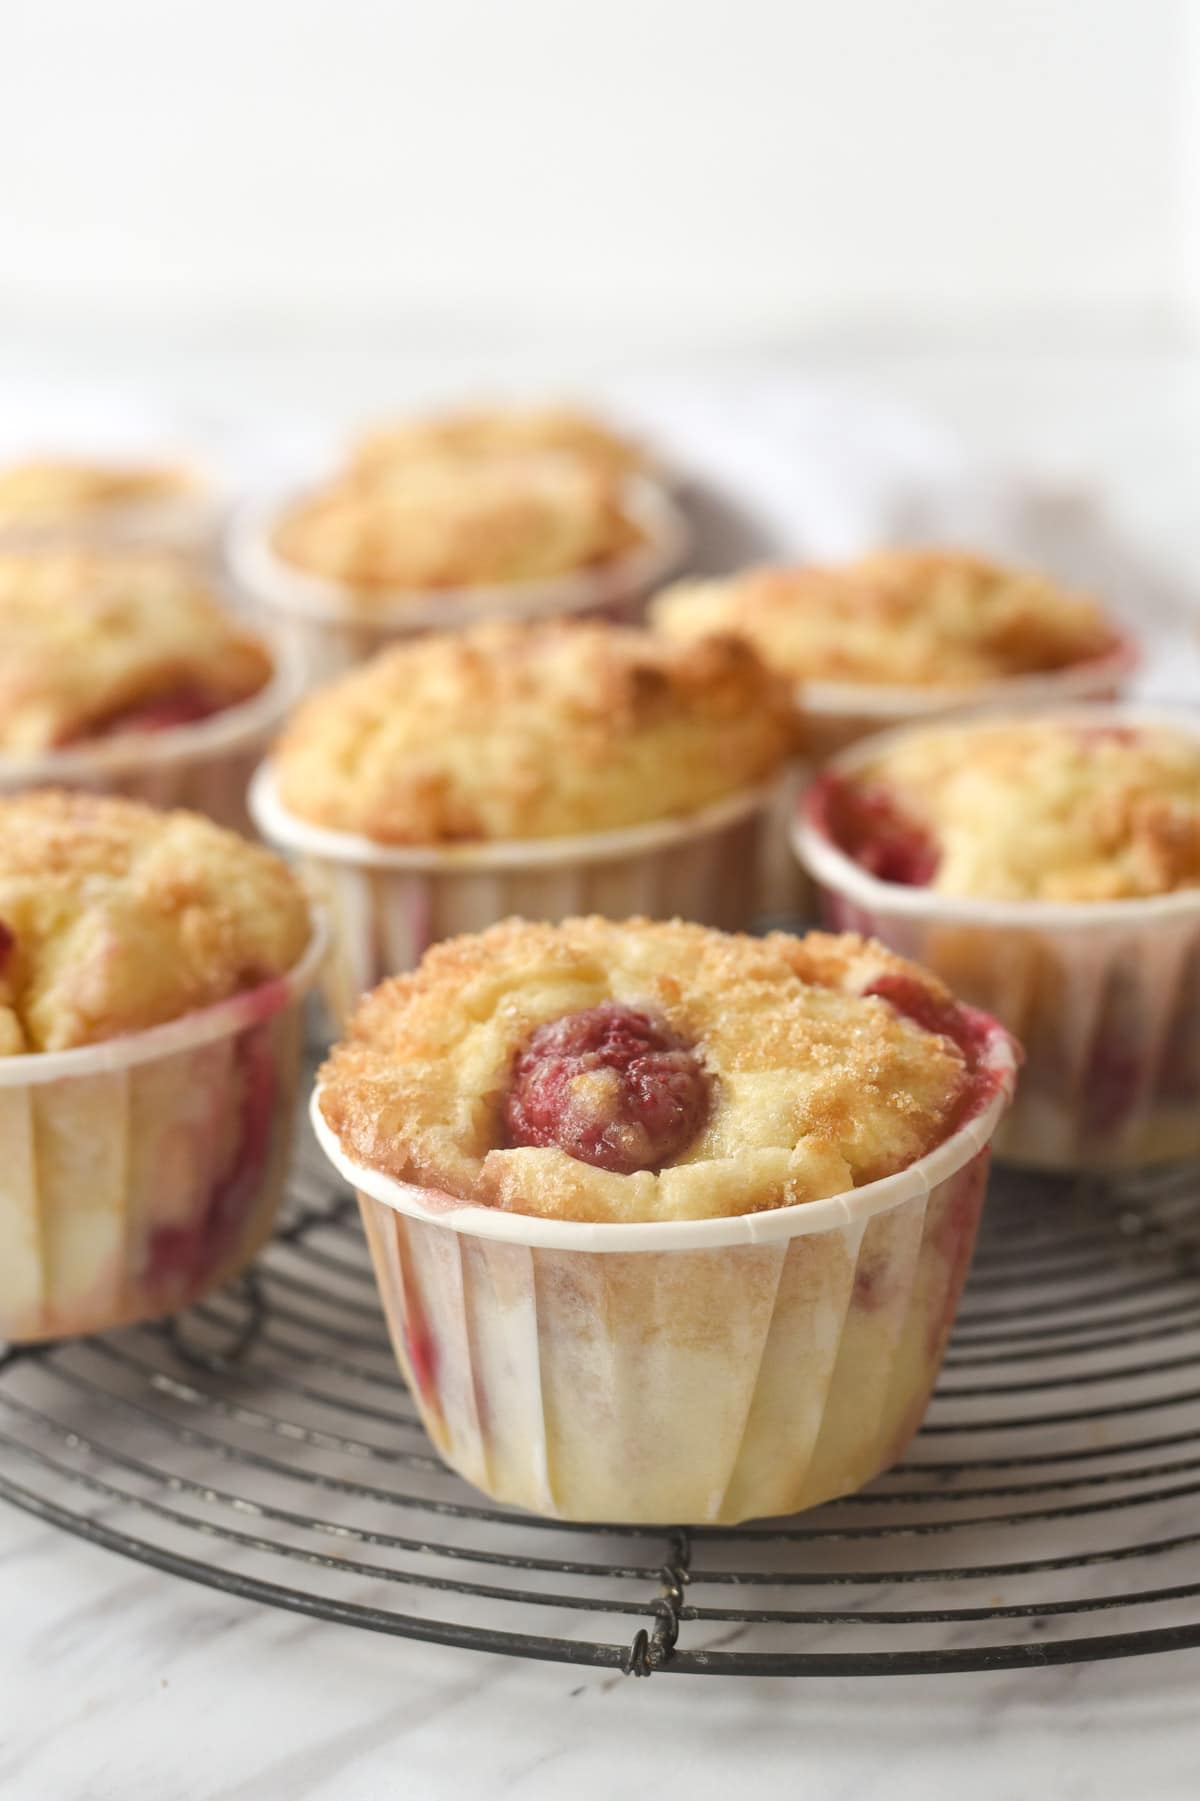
x: 95, y: 643
x: 446, y: 523
x: 479, y: 432
x: 623, y: 1072
x: 151, y: 972
x: 530, y: 731
x: 927, y: 619
x: 1027, y: 809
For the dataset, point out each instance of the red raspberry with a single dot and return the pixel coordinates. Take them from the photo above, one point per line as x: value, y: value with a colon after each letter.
x: 185, y: 705
x: 609, y: 1086
x: 888, y: 844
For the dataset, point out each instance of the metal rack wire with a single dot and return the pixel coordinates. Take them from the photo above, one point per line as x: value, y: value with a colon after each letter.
x: 262, y: 1444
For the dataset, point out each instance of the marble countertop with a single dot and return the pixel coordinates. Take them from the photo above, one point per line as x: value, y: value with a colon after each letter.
x: 122, y: 1683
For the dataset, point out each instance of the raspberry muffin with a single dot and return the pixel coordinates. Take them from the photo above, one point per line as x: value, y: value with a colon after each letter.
x: 151, y: 970
x: 669, y: 1225
x: 120, y: 670
x: 1048, y: 866
x: 480, y: 432
x: 441, y: 540
x: 528, y: 768
x: 906, y: 632
x: 90, y: 501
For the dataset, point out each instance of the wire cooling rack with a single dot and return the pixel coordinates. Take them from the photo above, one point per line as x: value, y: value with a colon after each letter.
x: 264, y: 1445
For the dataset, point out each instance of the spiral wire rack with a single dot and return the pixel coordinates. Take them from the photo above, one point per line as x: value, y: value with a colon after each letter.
x: 264, y: 1445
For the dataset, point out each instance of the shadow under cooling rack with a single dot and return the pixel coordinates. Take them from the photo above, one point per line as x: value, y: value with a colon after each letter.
x: 1048, y: 1512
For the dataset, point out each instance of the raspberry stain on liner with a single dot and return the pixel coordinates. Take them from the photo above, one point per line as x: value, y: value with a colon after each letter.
x: 183, y: 1257
x: 610, y: 1086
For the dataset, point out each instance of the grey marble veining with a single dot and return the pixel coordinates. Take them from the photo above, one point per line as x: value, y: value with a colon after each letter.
x: 122, y: 1685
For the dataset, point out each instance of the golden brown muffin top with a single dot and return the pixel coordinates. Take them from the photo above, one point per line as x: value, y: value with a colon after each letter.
x: 93, y: 642
x: 114, y: 917
x: 532, y: 731
x: 810, y: 1084
x: 472, y: 432
x: 445, y: 522
x: 920, y: 618
x: 1036, y: 808
x: 44, y: 490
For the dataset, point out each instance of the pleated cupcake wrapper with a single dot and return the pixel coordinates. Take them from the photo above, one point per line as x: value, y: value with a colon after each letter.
x: 206, y: 766
x: 139, y: 1174
x: 387, y: 906
x: 330, y: 627
x: 1104, y: 997
x: 698, y: 1371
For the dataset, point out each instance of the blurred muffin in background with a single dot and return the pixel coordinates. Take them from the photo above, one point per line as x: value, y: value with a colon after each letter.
x: 1046, y: 865
x: 442, y: 535
x: 908, y: 632
x: 476, y: 432
x: 441, y: 522
x: 96, y: 501
x: 95, y: 643
x: 120, y: 670
x: 534, y: 768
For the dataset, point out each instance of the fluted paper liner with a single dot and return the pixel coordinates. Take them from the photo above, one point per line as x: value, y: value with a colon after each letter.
x: 388, y: 904
x: 679, y: 1372
x: 334, y: 630
x: 1104, y: 996
x: 138, y: 1174
x: 205, y: 766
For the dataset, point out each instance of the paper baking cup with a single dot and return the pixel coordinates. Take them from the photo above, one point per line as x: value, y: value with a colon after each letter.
x: 187, y: 523
x: 1104, y: 996
x: 389, y: 903
x: 139, y: 1174
x: 206, y: 766
x: 336, y: 627
x: 839, y: 713
x: 679, y: 1372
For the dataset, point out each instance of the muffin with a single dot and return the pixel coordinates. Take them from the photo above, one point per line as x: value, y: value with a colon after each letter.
x: 444, y: 540
x: 907, y: 632
x: 530, y: 768
x: 151, y: 970
x: 669, y: 1225
x: 104, y: 502
x: 484, y: 432
x: 120, y: 670
x: 442, y: 524
x: 1048, y: 866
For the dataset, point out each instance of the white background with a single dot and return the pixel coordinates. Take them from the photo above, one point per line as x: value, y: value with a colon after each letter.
x: 735, y: 173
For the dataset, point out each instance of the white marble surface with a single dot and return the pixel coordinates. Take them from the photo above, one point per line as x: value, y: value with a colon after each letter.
x: 119, y: 1684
